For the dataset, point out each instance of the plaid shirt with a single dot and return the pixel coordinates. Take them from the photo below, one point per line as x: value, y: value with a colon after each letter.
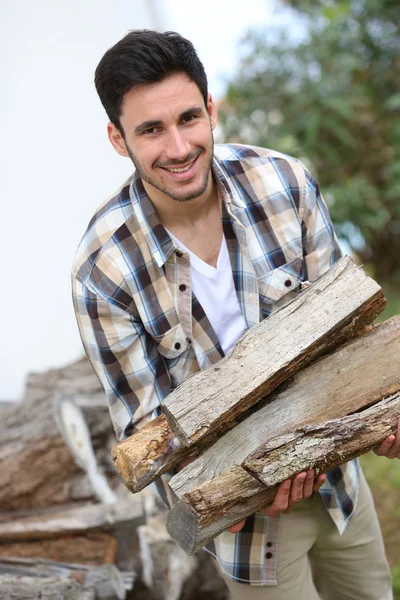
x: 145, y: 332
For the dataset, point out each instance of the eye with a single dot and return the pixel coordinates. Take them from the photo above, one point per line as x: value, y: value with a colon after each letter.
x: 150, y: 131
x: 189, y: 118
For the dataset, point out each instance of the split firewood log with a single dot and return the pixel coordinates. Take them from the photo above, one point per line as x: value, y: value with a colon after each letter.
x: 341, y: 303
x: 48, y: 579
x: 226, y: 483
x: 209, y: 509
x: 73, y: 520
x: 354, y: 377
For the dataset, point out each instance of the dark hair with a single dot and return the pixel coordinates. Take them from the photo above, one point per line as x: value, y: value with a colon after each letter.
x: 143, y: 57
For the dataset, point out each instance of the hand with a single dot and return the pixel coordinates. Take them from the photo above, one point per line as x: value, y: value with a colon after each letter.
x: 289, y: 493
x: 391, y: 446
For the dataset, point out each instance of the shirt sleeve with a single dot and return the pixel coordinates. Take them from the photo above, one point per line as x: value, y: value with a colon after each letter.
x: 125, y: 358
x: 320, y: 245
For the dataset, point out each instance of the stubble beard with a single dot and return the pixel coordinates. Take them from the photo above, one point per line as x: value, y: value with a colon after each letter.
x: 166, y: 189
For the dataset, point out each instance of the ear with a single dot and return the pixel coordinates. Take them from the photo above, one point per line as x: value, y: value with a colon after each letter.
x: 117, y: 140
x: 212, y: 111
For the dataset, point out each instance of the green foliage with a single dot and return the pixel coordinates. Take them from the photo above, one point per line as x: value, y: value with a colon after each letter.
x: 396, y: 582
x: 332, y: 100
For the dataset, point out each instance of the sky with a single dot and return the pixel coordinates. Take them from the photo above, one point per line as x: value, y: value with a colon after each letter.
x: 56, y: 163
x: 217, y: 27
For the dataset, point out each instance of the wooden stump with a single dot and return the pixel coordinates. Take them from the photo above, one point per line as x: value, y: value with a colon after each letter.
x: 37, y: 467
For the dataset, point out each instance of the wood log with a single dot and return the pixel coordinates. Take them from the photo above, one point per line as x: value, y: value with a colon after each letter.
x: 92, y: 548
x: 152, y: 451
x: 44, y: 588
x: 72, y: 425
x: 210, y: 509
x: 37, y: 468
x: 155, y: 449
x: 146, y: 454
x: 107, y: 581
x: 360, y: 373
x: 341, y: 302
x: 103, y: 582
x: 76, y: 380
x: 165, y: 566
x: 74, y: 520
x: 325, y: 446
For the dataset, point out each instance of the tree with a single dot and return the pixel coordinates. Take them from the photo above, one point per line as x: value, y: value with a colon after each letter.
x: 332, y: 100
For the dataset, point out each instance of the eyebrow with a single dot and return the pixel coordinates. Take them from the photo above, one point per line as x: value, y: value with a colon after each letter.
x: 156, y: 123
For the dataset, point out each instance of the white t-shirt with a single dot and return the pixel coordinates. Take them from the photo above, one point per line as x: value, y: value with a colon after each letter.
x: 215, y: 290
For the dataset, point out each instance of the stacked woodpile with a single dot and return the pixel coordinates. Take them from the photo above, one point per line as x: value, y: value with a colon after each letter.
x: 313, y: 386
x: 69, y: 529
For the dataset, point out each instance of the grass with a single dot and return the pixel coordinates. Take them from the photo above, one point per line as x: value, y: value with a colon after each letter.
x: 383, y: 476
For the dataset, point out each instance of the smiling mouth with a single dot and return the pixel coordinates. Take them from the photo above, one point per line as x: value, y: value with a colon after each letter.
x: 181, y: 169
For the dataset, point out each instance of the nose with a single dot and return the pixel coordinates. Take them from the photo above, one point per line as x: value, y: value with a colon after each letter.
x: 178, y: 148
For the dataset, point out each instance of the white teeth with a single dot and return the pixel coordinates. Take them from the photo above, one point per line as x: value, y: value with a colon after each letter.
x: 180, y: 170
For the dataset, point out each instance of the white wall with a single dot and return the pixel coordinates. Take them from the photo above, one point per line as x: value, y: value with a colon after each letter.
x: 56, y: 166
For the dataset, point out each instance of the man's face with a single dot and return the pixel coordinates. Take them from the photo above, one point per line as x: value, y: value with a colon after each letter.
x: 168, y: 135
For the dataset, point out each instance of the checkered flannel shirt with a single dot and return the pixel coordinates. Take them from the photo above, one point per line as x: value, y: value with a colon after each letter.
x: 144, y: 335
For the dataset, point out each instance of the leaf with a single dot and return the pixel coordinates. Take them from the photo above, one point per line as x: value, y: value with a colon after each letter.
x: 393, y: 103
x: 340, y: 106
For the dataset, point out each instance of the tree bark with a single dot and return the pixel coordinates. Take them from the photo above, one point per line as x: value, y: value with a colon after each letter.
x: 74, y: 520
x: 44, y: 588
x: 156, y: 449
x: 30, y: 578
x: 37, y: 467
x: 91, y: 548
x: 341, y: 303
x: 325, y: 446
x: 357, y: 375
x: 211, y: 508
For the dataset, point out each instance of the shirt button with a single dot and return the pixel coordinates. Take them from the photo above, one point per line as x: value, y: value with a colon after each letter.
x: 268, y: 555
x: 269, y: 544
x: 288, y: 283
x: 182, y: 287
x: 179, y: 254
x: 177, y: 346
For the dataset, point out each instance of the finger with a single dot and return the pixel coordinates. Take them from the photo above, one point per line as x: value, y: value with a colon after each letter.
x: 237, y: 526
x: 395, y: 447
x: 308, y: 486
x: 281, y: 501
x: 296, y: 492
x: 385, y: 446
x: 319, y: 481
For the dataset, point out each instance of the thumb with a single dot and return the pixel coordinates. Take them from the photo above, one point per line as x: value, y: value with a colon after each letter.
x: 237, y: 526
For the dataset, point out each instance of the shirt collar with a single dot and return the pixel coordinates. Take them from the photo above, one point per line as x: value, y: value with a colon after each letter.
x: 157, y: 238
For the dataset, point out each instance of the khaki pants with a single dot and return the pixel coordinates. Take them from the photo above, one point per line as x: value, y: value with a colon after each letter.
x: 315, y: 562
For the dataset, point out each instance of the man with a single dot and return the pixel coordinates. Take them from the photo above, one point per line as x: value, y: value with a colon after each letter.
x: 196, y: 247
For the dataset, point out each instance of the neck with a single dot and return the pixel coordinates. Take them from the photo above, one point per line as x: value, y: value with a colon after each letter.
x: 172, y: 212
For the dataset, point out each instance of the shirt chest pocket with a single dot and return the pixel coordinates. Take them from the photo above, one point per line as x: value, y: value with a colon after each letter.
x: 178, y: 354
x: 280, y: 285
x: 173, y: 343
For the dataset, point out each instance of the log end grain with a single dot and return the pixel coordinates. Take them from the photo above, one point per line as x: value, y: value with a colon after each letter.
x: 146, y: 454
